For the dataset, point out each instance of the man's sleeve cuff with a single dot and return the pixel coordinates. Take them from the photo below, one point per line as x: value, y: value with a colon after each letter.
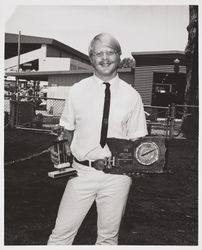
x: 67, y: 126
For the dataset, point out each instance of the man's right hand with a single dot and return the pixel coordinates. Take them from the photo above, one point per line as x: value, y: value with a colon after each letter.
x: 55, y: 155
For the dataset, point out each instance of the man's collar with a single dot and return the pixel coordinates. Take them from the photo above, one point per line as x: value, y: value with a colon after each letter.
x: 112, y: 82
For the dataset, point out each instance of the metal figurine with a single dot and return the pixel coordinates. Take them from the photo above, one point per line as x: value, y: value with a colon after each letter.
x: 64, y: 166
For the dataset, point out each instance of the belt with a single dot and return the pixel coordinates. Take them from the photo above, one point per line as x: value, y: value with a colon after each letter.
x: 100, y: 164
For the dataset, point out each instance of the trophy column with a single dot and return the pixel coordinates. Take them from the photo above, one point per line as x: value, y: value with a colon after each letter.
x: 64, y: 168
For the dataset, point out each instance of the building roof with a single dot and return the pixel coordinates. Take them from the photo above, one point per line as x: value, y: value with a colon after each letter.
x: 34, y: 42
x: 43, y: 75
x: 152, y: 58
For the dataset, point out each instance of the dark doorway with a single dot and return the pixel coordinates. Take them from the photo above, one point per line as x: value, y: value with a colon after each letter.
x: 168, y: 88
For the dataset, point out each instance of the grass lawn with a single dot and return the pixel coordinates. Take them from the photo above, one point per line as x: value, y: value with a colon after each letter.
x: 161, y: 210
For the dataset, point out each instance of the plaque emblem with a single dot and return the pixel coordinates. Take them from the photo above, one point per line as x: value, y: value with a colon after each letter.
x: 147, y: 153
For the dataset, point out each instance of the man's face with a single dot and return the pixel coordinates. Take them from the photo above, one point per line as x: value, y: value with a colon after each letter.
x: 105, y: 61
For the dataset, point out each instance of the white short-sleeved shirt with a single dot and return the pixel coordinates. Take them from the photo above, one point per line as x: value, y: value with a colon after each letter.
x: 83, y: 113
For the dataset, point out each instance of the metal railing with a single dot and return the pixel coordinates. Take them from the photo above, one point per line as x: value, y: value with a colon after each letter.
x: 186, y: 119
x: 157, y: 120
x: 34, y: 112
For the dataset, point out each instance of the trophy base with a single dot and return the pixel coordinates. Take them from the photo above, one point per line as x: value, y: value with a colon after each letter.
x: 62, y: 172
x: 62, y: 165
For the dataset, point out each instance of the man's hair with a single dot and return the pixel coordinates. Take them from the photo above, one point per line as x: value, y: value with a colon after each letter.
x: 105, y: 39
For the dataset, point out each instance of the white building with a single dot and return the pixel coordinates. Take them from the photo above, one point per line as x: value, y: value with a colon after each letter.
x: 38, y: 54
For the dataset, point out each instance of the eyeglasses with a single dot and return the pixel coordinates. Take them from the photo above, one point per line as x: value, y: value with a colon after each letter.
x: 108, y: 53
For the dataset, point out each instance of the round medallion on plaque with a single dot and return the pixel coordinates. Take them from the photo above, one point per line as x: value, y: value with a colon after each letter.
x: 147, y: 153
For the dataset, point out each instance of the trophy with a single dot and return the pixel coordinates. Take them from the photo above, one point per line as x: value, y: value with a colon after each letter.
x: 64, y: 168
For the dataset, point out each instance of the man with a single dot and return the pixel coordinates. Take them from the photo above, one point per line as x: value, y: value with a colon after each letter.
x: 87, y: 125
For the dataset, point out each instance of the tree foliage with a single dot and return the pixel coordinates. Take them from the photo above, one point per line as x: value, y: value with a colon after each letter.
x: 127, y: 62
x: 191, y: 119
x: 191, y: 55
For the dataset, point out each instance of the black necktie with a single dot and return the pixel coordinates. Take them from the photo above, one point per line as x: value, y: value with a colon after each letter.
x: 105, y: 117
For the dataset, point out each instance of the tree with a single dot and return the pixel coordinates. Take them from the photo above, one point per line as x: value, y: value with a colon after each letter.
x: 127, y: 62
x: 190, y: 119
x: 191, y: 56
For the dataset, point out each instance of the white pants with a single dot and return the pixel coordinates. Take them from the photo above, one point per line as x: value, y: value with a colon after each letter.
x: 110, y: 193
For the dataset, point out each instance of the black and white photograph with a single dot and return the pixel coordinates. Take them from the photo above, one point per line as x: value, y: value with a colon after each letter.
x: 101, y: 124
